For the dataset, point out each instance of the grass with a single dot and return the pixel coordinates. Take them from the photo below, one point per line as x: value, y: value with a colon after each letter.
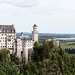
x: 72, y: 55
x: 66, y: 44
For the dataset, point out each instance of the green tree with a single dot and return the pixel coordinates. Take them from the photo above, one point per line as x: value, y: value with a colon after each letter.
x: 4, y: 55
x: 36, y: 44
x: 15, y: 59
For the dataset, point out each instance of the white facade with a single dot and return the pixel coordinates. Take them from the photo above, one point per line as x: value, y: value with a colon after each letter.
x: 7, y: 37
x: 56, y: 42
x: 23, y: 47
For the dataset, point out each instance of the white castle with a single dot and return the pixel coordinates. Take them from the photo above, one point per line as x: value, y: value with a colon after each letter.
x: 21, y: 46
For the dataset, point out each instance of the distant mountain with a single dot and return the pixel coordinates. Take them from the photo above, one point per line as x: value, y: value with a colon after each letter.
x: 48, y: 35
x: 26, y: 34
x: 43, y: 36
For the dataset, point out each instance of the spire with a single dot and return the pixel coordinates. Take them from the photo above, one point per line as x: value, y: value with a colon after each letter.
x: 35, y: 25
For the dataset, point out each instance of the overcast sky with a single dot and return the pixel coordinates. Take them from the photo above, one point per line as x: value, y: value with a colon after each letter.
x: 51, y: 16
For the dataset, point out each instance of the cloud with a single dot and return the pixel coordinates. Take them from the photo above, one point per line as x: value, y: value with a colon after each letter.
x: 49, y: 4
x: 61, y: 5
x: 21, y: 3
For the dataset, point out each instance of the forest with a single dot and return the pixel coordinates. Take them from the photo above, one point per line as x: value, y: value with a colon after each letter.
x: 46, y: 59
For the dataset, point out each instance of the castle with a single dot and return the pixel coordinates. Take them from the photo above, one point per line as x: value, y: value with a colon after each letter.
x: 21, y: 46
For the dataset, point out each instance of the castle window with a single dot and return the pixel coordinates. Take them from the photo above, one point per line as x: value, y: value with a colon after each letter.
x: 9, y: 39
x: 5, y: 30
x: 5, y: 40
x: 5, y: 37
x: 2, y: 34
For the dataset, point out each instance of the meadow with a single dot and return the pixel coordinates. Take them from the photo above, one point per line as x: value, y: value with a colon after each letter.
x: 70, y: 44
x: 67, y: 44
x: 72, y: 55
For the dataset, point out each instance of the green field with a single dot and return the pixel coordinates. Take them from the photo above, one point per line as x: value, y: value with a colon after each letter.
x: 67, y: 44
x: 72, y: 55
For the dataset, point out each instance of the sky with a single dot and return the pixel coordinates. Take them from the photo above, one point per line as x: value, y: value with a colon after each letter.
x: 51, y: 16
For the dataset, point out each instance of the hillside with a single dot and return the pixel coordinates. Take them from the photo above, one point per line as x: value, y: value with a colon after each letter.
x: 52, y: 60
x: 46, y: 59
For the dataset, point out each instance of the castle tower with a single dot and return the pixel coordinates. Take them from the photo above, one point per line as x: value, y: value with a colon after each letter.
x: 35, y: 33
x: 21, y: 36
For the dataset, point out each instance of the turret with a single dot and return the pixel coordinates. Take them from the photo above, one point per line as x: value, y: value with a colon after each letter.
x: 35, y: 33
x: 21, y: 36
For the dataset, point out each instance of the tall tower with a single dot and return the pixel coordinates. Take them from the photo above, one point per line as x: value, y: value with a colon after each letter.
x: 35, y: 33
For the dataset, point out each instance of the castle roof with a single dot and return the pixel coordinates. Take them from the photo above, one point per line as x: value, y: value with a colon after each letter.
x: 7, y: 28
x: 35, y: 25
x: 27, y: 39
x: 21, y: 32
x: 24, y: 38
